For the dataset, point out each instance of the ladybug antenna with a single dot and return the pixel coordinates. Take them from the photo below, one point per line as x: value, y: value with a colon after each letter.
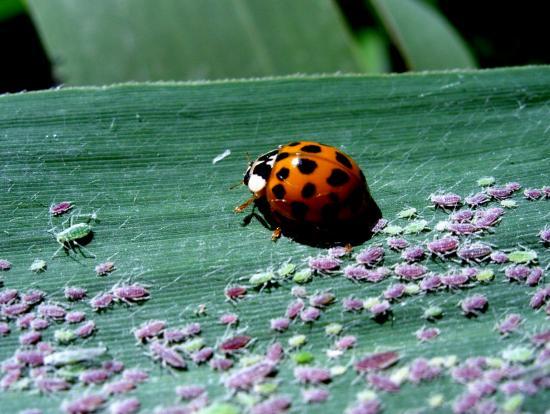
x: 233, y: 186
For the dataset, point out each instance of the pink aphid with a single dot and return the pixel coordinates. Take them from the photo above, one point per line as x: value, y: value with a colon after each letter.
x: 10, y: 378
x: 462, y: 229
x: 191, y: 329
x: 346, y: 342
x: 518, y: 273
x: 4, y: 265
x: 394, y: 291
x: 10, y: 364
x: 189, y: 392
x: 380, y: 309
x: 461, y: 216
x: 86, y: 330
x: 397, y: 243
x: 40, y: 324
x: 221, y: 364
x: 324, y: 263
x: 482, y: 387
x: 379, y: 226
x: 75, y: 293
x: 274, y: 353
x: 443, y: 246
x: 540, y: 297
x: 104, y: 268
x: 465, y: 403
x: 411, y: 271
x: 321, y: 300
x: 546, y: 191
x: 235, y: 292
x: 30, y: 357
x: 533, y: 193
x: 454, y: 280
x: 60, y: 208
x: 75, y: 317
x: 487, y: 218
x: 294, y: 308
x: 541, y: 338
x: 33, y: 296
x: 235, y: 343
x: 134, y: 292
x: 312, y: 375
x: 113, y: 366
x: 477, y: 199
x: 94, y: 376
x: 430, y: 283
x: 4, y: 329
x: 24, y: 321
x: 310, y: 314
x: 246, y: 377
x: 101, y: 301
x: 119, y: 387
x: 421, y: 370
x: 315, y: 395
x: 370, y: 256
x: 352, y: 304
x: 228, y: 319
x: 8, y: 296
x: 14, y: 309
x: 149, y: 330
x: 339, y: 251
x: 474, y: 252
x: 413, y: 254
x: 510, y: 323
x: 372, y: 406
x: 448, y: 200
x: 498, y: 257
x: 273, y: 405
x: 202, y: 355
x: 280, y: 324
x: 84, y: 405
x: 473, y: 305
x: 128, y: 406
x: 30, y: 338
x: 174, y: 335
x: 51, y: 384
x: 360, y: 273
x: 52, y: 311
x: 45, y: 347
x: 135, y: 375
x: 298, y: 291
x: 544, y: 235
x: 167, y: 355
x: 470, y: 272
x: 513, y: 186
x: 499, y: 193
x: 382, y: 383
x: 535, y: 276
x: 427, y: 334
x: 377, y: 362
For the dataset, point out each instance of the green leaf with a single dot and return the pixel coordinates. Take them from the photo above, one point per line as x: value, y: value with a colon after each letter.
x: 10, y: 8
x: 140, y: 155
x: 424, y: 37
x: 138, y: 40
x: 374, y: 50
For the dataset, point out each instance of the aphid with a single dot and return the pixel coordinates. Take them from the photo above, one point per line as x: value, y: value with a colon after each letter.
x: 407, y: 213
x: 246, y: 377
x: 340, y: 251
x: 379, y: 226
x: 377, y: 361
x: 69, y: 238
x: 14, y: 309
x: 430, y: 283
x: 94, y: 376
x: 191, y: 329
x: 101, y: 301
x: 75, y: 317
x: 202, y: 355
x: 487, y: 218
x: 49, y: 310
x: 303, y: 357
x: 189, y: 392
x: 462, y: 229
x: 167, y: 355
x: 360, y: 273
x: 235, y: 292
x: 129, y: 294
x: 544, y: 235
x: 51, y: 384
x: 86, y: 404
x: 415, y: 227
x: 546, y: 191
x: 368, y: 406
x: 273, y: 405
x: 523, y: 256
x: 540, y: 297
x: 323, y: 263
x: 499, y: 193
x: 74, y: 356
x: 346, y: 342
x: 60, y: 208
x: 454, y: 280
x: 227, y: 319
x: 520, y: 354
x: 298, y: 291
x: 274, y: 353
x: 315, y: 395
x: 119, y: 387
x: 413, y: 254
x: 303, y: 276
x: 485, y: 181
x: 382, y: 383
x: 303, y: 186
x: 33, y: 296
x: 322, y: 300
x: 352, y: 304
x: 508, y: 203
x: 310, y: 314
x: 86, y: 330
x: 432, y: 313
x: 333, y: 329
x: 444, y: 201
x: 39, y: 324
x: 113, y: 366
x: 64, y: 336
x: 312, y: 375
x: 149, y: 330
x: 287, y: 269
x: 296, y: 341
x: 4, y: 329
x: 498, y: 257
x: 370, y: 256
x: 392, y: 230
x: 518, y: 273
x: 280, y: 324
x: 485, y: 275
x: 482, y: 388
x: 30, y: 338
x: 4, y: 265
x: 397, y: 243
x: 294, y: 308
x: 128, y: 406
x: 394, y: 291
x: 234, y: 343
x: 8, y: 295
x: 135, y: 375
x: 221, y: 364
x: 426, y: 334
x: 410, y: 271
x: 465, y: 403
x: 535, y: 276
x: 30, y: 357
x: 510, y: 324
x: 474, y: 252
x: 74, y: 293
x: 421, y: 370
x: 477, y: 199
x: 38, y: 266
x: 461, y: 216
x: 10, y: 378
x: 262, y: 279
x: 105, y: 268
x: 533, y: 193
x: 473, y: 305
x: 380, y: 309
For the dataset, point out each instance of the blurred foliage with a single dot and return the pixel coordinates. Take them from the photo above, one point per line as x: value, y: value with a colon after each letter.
x: 10, y: 8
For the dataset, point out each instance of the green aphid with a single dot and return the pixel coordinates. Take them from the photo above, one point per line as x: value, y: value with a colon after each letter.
x: 433, y: 312
x: 494, y: 362
x: 520, y: 354
x: 333, y: 329
x: 70, y: 372
x: 485, y: 275
x: 266, y: 388
x: 220, y: 408
x: 64, y: 336
x: 38, y: 266
x: 486, y: 181
x: 509, y: 203
x: 68, y: 238
x: 367, y: 395
x: 412, y: 289
x: 416, y: 226
x: 303, y: 357
x: 246, y: 399
x: 286, y: 270
x: 297, y: 341
x: 513, y: 404
x: 523, y: 256
x: 303, y: 276
x: 191, y: 346
x: 370, y: 302
x: 74, y: 356
x: 392, y: 230
x: 436, y: 400
x: 261, y: 279
x: 407, y: 213
x: 338, y: 370
x: 249, y: 360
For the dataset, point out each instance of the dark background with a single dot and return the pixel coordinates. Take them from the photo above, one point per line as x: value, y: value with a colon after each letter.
x: 499, y: 34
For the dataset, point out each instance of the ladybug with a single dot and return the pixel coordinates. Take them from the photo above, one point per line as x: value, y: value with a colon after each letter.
x: 311, y: 191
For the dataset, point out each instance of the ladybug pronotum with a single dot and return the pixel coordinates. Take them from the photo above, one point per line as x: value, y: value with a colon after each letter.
x: 311, y: 189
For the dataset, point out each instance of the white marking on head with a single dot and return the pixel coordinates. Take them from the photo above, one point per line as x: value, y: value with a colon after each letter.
x: 256, y: 183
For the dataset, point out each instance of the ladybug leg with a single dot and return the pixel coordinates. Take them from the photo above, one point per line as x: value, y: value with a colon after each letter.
x: 243, y: 206
x: 276, y: 234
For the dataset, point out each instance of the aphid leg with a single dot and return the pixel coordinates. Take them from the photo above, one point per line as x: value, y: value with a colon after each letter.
x: 243, y: 206
x: 82, y: 248
x: 276, y: 234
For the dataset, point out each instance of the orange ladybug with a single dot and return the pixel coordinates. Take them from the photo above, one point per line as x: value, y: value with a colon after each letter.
x: 312, y: 190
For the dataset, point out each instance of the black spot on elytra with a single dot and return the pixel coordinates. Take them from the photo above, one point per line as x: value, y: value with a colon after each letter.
x: 262, y: 169
x: 282, y: 174
x: 299, y: 210
x: 306, y: 166
x: 308, y: 190
x: 337, y: 177
x: 342, y: 159
x: 311, y: 148
x: 329, y: 212
x: 278, y: 191
x: 293, y: 144
x: 281, y: 156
